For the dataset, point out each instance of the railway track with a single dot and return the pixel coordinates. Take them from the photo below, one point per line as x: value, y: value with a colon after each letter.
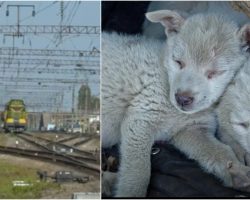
x: 82, y: 141
x: 33, y: 142
x: 50, y: 148
x: 84, y: 160
x: 46, y: 143
x: 63, y: 140
x: 52, y: 157
x: 47, y: 151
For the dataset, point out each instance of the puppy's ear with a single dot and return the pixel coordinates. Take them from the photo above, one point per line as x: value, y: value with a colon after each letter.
x: 171, y: 20
x: 244, y: 35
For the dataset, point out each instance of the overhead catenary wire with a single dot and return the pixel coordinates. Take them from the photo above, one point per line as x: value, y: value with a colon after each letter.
x: 19, y: 64
x: 40, y: 11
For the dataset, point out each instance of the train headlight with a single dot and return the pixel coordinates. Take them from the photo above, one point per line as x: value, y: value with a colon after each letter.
x: 10, y: 120
x: 22, y: 121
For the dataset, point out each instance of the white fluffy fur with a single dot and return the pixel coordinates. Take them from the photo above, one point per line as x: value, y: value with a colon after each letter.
x: 234, y: 113
x: 190, y: 8
x: 139, y: 78
x: 204, y: 43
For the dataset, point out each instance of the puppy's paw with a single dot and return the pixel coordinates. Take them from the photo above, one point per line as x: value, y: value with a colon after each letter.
x: 108, y: 183
x: 247, y: 159
x: 240, y: 175
x: 242, y: 155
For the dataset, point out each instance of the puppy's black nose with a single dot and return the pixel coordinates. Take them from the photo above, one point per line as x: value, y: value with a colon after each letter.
x: 184, y: 98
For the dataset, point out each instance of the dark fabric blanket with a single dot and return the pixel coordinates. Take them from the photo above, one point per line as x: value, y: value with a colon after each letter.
x: 123, y: 17
x: 173, y: 175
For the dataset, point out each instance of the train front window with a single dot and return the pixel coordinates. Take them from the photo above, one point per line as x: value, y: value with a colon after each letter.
x: 17, y: 109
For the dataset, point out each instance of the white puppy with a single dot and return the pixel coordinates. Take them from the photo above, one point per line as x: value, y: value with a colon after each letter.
x: 187, y: 8
x: 150, y: 88
x: 234, y: 115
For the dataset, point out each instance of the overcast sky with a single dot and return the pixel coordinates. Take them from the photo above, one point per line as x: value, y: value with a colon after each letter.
x: 78, y: 13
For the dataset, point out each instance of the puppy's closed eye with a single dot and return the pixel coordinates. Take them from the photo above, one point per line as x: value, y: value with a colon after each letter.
x: 213, y: 73
x: 244, y: 125
x: 180, y: 63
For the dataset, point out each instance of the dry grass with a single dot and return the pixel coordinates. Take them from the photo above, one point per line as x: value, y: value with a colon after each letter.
x: 10, y: 172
